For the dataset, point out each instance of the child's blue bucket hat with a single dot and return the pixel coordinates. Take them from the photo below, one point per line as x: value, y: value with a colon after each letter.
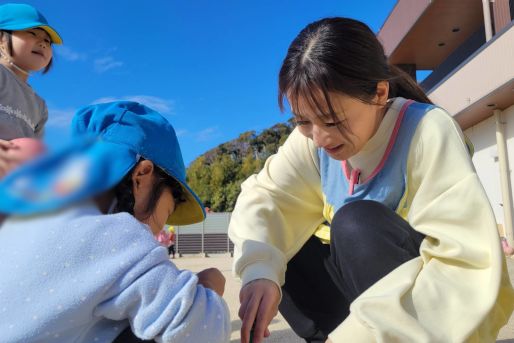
x: 17, y: 17
x: 109, y: 139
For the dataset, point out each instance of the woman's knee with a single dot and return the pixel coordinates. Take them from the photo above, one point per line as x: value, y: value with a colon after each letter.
x: 356, y: 224
x: 358, y: 213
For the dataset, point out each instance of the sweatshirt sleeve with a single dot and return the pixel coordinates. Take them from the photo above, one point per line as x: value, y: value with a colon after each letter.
x: 457, y: 290
x: 166, y: 304
x: 276, y: 212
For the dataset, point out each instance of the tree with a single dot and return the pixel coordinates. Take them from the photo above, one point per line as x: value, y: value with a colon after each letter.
x: 216, y: 176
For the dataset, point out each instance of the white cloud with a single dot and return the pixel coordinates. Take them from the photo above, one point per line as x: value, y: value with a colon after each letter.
x: 59, y: 118
x: 162, y: 106
x: 208, y: 134
x: 68, y: 54
x: 104, y: 64
x: 181, y: 132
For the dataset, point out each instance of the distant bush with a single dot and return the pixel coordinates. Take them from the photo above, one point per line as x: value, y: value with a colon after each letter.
x: 216, y: 176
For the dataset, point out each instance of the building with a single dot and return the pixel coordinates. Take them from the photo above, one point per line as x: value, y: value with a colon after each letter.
x: 468, y: 47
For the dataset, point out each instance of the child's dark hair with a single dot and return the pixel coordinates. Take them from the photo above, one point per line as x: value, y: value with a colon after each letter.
x: 7, y: 35
x: 340, y: 55
x: 125, y: 197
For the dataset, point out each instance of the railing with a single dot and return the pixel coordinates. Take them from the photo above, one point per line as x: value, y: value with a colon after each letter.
x: 207, y: 237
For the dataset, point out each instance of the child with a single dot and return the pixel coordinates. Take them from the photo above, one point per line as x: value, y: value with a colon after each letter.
x: 123, y: 174
x: 166, y: 237
x: 370, y: 223
x: 163, y: 237
x: 173, y: 236
x: 25, y: 46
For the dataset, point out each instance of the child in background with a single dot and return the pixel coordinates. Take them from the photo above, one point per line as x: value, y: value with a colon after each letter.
x: 370, y: 224
x: 163, y: 237
x: 166, y: 238
x: 173, y: 237
x: 122, y: 175
x: 25, y: 46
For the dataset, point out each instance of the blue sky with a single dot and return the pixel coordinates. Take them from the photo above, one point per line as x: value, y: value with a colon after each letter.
x: 209, y: 66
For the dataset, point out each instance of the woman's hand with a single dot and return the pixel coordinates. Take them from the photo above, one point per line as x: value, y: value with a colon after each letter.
x: 213, y: 279
x: 259, y: 304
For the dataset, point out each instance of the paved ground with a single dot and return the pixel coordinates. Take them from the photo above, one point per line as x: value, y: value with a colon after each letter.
x: 280, y: 330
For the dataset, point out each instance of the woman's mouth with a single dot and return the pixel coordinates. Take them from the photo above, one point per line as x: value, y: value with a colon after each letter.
x: 334, y: 149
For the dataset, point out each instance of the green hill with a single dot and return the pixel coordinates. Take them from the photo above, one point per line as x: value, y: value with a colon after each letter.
x: 216, y: 176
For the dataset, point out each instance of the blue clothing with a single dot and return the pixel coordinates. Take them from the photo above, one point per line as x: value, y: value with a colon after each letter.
x: 80, y: 276
x: 387, y: 184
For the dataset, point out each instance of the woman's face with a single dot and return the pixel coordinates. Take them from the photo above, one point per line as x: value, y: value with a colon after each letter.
x: 358, y: 121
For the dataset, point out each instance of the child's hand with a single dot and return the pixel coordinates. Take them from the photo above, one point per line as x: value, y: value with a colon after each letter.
x: 7, y: 159
x: 213, y: 279
x: 17, y: 151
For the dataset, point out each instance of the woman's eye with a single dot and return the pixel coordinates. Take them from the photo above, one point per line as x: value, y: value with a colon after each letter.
x: 302, y: 122
x: 333, y: 124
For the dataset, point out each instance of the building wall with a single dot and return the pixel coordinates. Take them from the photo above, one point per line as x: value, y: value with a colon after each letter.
x: 485, y: 159
x: 508, y: 117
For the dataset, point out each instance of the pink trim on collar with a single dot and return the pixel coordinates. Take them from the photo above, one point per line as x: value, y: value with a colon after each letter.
x: 352, y: 177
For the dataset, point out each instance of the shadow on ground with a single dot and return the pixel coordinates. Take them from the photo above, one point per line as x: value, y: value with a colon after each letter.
x: 236, y: 324
x: 276, y: 337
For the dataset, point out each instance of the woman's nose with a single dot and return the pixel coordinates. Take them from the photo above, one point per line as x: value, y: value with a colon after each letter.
x: 318, y: 136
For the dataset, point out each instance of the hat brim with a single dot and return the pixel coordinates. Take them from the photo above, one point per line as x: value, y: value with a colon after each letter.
x: 54, y: 36
x: 189, y: 212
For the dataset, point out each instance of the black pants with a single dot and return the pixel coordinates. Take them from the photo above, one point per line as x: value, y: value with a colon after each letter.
x: 171, y: 250
x: 367, y: 241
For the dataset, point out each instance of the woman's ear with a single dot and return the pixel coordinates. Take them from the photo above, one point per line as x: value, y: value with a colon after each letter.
x: 142, y: 177
x: 382, y: 92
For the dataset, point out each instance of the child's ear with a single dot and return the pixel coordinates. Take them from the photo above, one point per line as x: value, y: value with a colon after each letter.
x: 142, y: 176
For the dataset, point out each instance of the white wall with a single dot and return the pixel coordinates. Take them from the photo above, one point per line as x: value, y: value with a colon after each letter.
x: 508, y: 117
x: 483, y: 136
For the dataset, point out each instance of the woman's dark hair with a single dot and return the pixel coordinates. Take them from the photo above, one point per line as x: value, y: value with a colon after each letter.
x: 7, y: 35
x: 125, y: 196
x: 339, y: 55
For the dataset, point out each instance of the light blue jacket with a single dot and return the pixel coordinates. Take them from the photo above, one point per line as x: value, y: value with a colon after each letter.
x: 80, y: 276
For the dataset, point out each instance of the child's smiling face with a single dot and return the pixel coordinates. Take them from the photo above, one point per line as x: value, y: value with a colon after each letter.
x: 31, y: 49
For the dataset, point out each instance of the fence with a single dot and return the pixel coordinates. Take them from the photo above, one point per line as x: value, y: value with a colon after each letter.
x: 207, y: 237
